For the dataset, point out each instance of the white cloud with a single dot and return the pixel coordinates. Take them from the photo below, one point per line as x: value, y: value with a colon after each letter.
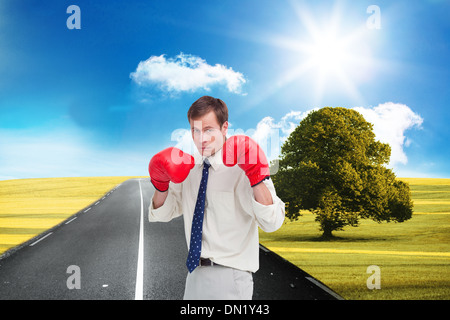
x: 390, y: 122
x: 186, y: 72
x: 286, y: 125
x: 270, y: 135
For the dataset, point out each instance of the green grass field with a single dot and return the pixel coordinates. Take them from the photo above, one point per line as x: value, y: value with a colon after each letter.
x: 414, y: 256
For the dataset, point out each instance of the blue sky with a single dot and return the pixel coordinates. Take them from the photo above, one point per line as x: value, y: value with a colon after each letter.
x: 101, y: 100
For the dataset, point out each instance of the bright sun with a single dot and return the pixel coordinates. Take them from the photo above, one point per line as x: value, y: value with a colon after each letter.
x: 337, y: 61
x: 328, y: 54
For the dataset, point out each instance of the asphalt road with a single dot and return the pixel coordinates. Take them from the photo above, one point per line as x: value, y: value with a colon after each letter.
x: 110, y: 251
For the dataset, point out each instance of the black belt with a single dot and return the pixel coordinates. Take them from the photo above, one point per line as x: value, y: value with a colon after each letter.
x: 206, y: 262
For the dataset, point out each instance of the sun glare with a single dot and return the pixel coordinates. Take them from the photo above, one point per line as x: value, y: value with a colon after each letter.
x: 336, y: 60
x: 328, y: 54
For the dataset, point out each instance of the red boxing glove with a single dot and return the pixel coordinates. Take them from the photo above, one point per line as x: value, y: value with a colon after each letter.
x: 171, y: 164
x: 249, y: 156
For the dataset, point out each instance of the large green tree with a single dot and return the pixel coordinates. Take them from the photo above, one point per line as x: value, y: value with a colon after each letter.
x: 332, y: 165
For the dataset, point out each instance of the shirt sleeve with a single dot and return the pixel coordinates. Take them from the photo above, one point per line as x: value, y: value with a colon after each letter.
x: 269, y: 217
x: 171, y: 207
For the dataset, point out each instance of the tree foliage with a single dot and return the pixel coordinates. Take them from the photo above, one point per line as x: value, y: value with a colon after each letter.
x: 332, y: 165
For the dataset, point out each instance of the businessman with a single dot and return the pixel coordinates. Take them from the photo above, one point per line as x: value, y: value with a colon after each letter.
x: 224, y: 193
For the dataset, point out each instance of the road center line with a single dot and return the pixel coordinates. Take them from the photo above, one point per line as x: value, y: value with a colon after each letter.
x: 70, y: 220
x: 139, y: 292
x: 41, y: 239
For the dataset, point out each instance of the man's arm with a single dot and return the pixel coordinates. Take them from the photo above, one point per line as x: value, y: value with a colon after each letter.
x: 165, y: 205
x: 262, y: 194
x: 246, y: 153
x: 159, y: 198
x: 169, y: 165
x: 269, y: 209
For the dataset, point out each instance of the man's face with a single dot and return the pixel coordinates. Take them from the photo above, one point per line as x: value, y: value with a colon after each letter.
x: 207, y: 134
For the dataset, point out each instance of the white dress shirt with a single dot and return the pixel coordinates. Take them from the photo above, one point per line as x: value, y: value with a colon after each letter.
x: 232, y: 215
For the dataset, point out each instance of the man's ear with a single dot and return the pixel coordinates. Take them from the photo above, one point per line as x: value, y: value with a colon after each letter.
x: 224, y: 128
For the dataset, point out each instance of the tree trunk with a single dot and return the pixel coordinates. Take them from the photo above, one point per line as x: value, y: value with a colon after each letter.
x: 327, y: 233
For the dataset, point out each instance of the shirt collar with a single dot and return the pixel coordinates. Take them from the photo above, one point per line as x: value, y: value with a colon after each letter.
x: 215, y: 160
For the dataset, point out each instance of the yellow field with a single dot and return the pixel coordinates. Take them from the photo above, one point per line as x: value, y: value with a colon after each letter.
x: 30, y: 206
x: 430, y: 196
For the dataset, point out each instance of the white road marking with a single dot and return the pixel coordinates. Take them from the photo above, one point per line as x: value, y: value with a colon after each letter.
x: 139, y: 292
x: 327, y: 290
x: 87, y: 210
x: 70, y: 220
x: 41, y: 239
x: 97, y: 203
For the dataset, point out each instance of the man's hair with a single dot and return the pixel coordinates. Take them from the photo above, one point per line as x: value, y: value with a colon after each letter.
x: 206, y: 104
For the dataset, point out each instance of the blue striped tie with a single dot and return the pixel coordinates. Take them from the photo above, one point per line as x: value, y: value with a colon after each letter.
x: 195, y: 247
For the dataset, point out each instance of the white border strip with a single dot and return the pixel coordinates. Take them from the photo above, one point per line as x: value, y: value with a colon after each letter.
x: 139, y: 292
x: 321, y: 286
